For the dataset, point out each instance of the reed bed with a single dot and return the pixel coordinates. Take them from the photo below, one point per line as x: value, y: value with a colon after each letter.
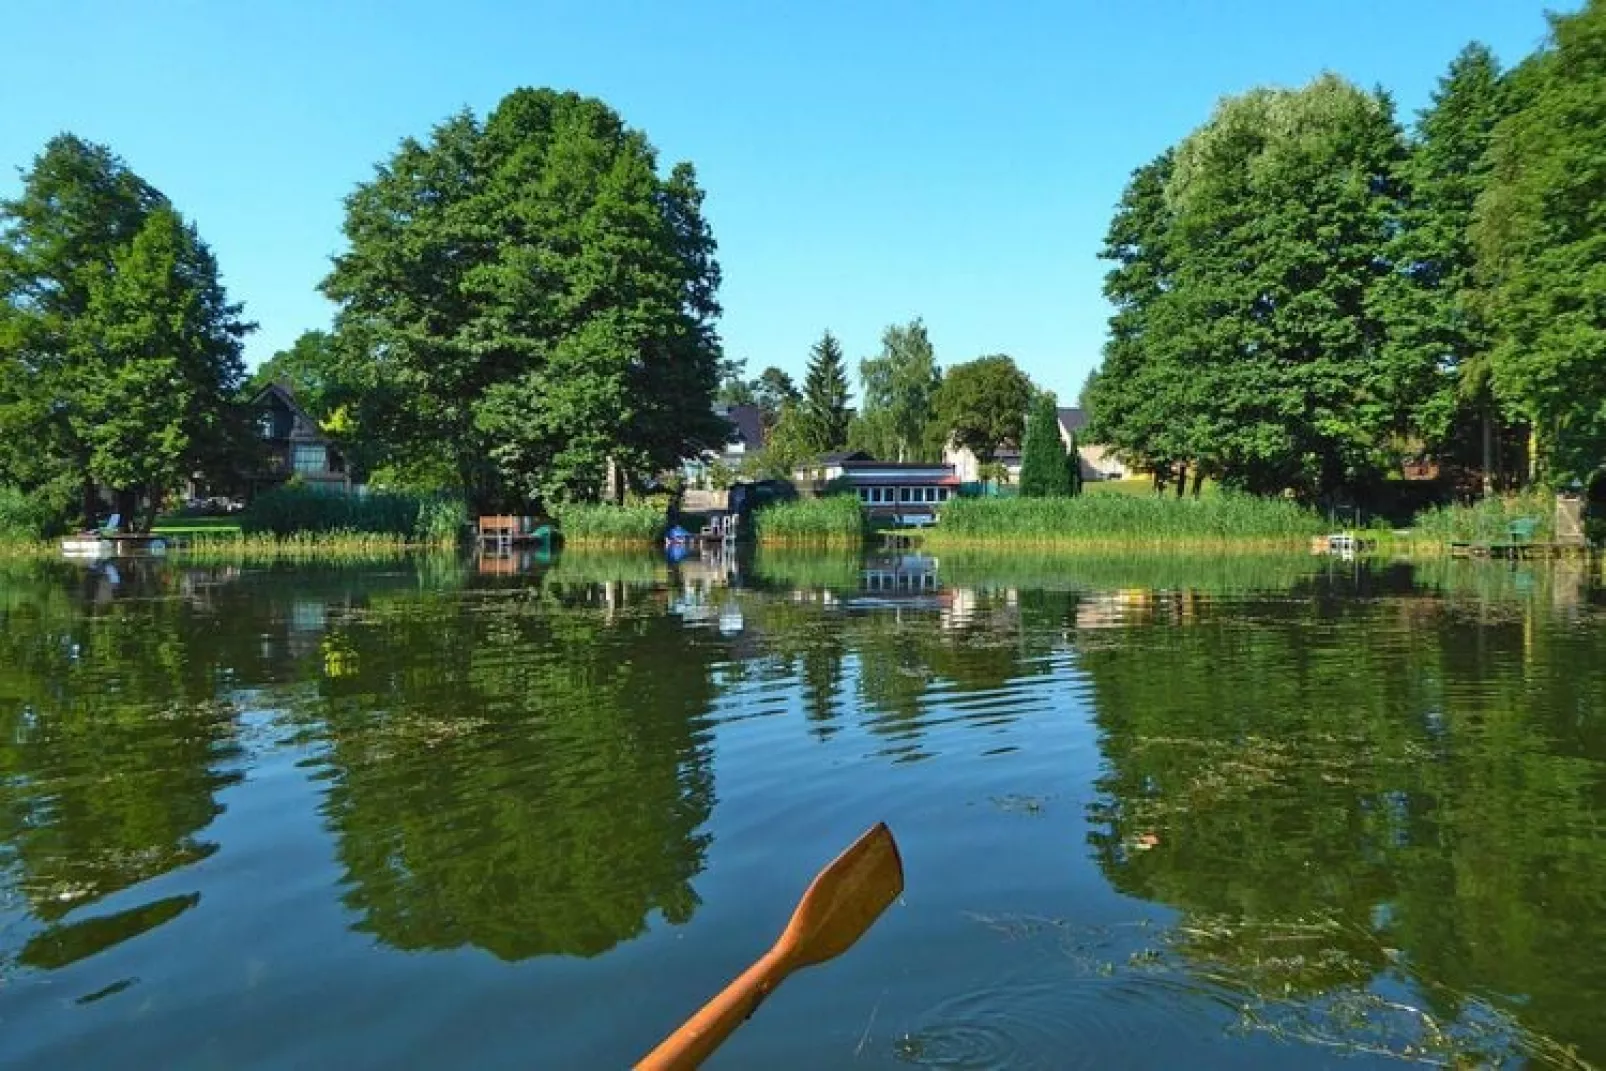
x: 602, y: 525
x: 1113, y: 522
x: 835, y: 520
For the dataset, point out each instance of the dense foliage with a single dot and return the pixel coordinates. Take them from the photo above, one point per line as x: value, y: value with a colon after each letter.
x: 982, y: 404
x: 1045, y: 470
x: 419, y: 518
x: 1305, y: 297
x: 821, y: 415
x: 899, y: 384
x: 535, y: 299
x: 119, y: 350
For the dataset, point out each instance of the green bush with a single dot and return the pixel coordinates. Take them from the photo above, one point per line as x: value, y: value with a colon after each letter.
x: 1127, y: 519
x: 1487, y: 520
x: 414, y: 518
x: 25, y: 517
x: 601, y: 523
x: 831, y: 519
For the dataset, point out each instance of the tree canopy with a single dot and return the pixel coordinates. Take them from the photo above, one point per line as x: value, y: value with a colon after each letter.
x: 898, y: 387
x: 539, y: 298
x: 823, y: 410
x: 982, y: 404
x: 1540, y: 234
x: 1043, y: 472
x: 1305, y: 298
x: 120, y: 353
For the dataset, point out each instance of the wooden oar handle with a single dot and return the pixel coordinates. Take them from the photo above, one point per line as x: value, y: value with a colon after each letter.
x: 696, y: 1040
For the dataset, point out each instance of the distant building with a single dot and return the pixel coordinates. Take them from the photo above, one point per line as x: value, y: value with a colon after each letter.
x: 1095, y: 461
x: 747, y: 438
x: 907, y: 492
x: 294, y: 444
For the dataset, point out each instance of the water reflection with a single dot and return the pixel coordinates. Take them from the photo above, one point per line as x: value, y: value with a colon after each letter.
x: 1341, y: 792
x: 1373, y: 794
x: 523, y: 775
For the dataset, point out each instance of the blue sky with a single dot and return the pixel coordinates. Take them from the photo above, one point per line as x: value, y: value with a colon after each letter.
x: 866, y: 162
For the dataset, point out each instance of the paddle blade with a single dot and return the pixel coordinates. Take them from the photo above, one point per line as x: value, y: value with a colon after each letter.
x: 845, y: 899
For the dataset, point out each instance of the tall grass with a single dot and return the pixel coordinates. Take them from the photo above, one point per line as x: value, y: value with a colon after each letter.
x: 287, y: 512
x: 835, y: 520
x: 601, y: 524
x: 1487, y: 520
x: 1114, y: 520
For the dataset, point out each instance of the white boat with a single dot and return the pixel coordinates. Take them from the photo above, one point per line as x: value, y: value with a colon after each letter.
x: 88, y: 547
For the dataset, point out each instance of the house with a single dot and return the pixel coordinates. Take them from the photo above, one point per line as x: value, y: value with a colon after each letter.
x: 747, y: 438
x: 1095, y: 461
x: 903, y: 492
x: 295, y: 445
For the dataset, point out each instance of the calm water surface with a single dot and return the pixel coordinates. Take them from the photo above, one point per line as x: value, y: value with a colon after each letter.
x: 1153, y: 813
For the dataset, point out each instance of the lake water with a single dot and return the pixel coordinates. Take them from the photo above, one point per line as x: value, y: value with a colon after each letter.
x: 513, y: 814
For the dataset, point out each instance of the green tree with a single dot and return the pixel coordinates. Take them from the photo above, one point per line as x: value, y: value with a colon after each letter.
x: 982, y: 403
x: 899, y: 386
x: 1540, y: 232
x: 1073, y: 468
x: 1283, y: 205
x: 1140, y: 401
x: 119, y: 351
x: 1438, y: 344
x: 824, y: 406
x: 1042, y: 469
x: 734, y: 386
x: 156, y: 365
x: 773, y: 390
x: 541, y: 300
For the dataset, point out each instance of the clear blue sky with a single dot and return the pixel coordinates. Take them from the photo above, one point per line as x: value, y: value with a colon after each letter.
x: 866, y: 161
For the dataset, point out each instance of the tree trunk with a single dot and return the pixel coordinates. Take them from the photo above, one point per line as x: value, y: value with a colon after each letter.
x: 1182, y: 479
x: 153, y: 506
x: 1198, y: 479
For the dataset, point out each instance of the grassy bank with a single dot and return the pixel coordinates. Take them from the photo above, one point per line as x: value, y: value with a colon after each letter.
x: 1116, y: 521
x: 835, y: 520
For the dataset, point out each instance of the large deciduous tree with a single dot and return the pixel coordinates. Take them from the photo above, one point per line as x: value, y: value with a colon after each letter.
x: 823, y: 410
x: 119, y: 350
x: 899, y: 385
x: 1247, y: 336
x: 982, y: 403
x: 1540, y: 231
x: 539, y: 299
x: 1438, y: 342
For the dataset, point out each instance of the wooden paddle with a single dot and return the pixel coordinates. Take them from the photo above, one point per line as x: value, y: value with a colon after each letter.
x: 841, y: 903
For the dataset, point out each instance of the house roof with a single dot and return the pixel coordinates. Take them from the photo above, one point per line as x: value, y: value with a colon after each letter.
x: 748, y: 420
x: 282, y: 391
x: 838, y: 457
x: 1072, y: 419
x: 860, y: 464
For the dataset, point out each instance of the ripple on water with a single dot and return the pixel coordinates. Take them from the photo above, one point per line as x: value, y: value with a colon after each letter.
x: 1063, y: 1020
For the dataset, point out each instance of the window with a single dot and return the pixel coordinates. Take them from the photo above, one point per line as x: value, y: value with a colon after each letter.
x: 864, y: 494
x: 903, y: 494
x: 931, y: 494
x: 942, y: 494
x: 309, y: 457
